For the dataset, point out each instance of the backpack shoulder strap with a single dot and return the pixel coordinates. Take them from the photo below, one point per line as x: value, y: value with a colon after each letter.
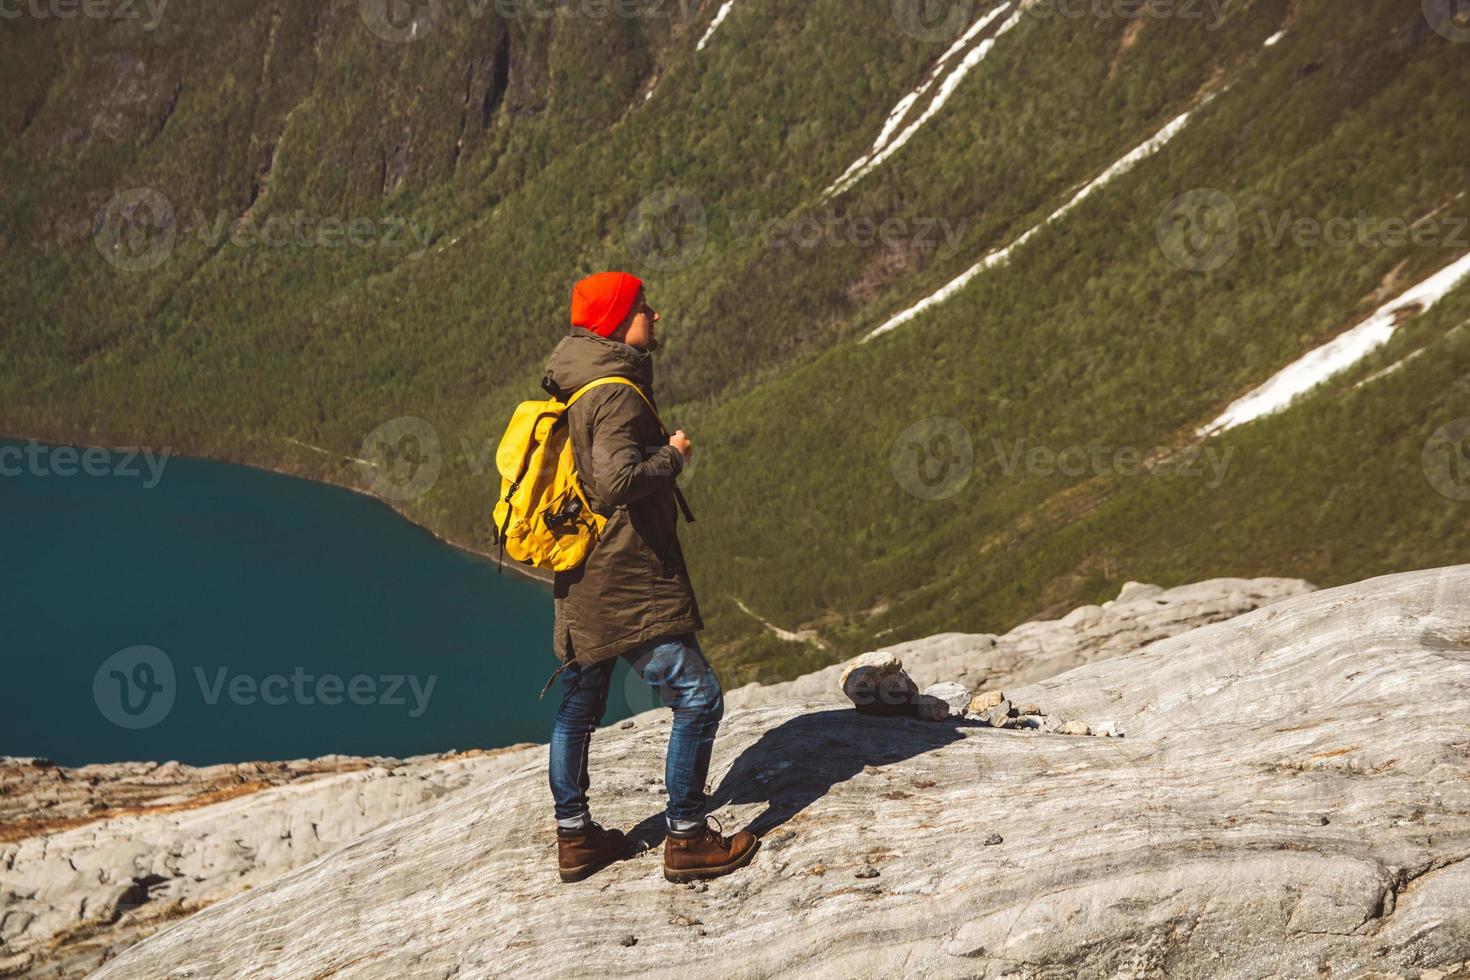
x: 678, y: 494
x: 619, y: 381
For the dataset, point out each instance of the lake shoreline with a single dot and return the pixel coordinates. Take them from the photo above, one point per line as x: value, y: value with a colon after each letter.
x: 535, y: 575
x: 249, y: 597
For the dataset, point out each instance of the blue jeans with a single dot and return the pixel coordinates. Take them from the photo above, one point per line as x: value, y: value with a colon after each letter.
x: 686, y: 683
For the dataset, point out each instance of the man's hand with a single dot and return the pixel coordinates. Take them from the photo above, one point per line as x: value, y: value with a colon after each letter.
x: 681, y: 442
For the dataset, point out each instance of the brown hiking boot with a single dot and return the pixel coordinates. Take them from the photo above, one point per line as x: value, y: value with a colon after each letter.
x: 583, y: 852
x: 705, y: 853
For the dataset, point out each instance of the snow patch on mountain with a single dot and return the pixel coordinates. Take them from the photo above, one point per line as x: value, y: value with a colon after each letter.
x: 720, y: 16
x: 1340, y: 353
x: 887, y: 143
x: 1124, y: 164
x: 901, y: 110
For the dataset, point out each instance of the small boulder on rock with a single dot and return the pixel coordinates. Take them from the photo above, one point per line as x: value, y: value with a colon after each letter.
x: 986, y: 700
x: 954, y: 697
x: 998, y: 716
x: 1138, y: 591
x: 877, y: 684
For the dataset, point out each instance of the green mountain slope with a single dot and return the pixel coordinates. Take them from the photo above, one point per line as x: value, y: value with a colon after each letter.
x: 506, y: 156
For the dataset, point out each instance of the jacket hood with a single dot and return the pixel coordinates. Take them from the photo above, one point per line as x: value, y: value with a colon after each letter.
x: 582, y: 356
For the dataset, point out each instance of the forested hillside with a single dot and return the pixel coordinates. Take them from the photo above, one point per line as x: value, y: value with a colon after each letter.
x: 271, y: 231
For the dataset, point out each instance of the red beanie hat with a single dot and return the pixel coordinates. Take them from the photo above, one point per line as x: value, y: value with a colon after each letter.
x: 602, y: 302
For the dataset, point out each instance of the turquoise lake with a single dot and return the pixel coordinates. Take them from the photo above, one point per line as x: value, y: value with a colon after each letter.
x: 176, y: 608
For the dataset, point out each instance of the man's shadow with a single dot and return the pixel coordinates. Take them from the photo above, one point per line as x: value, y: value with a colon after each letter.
x: 796, y: 763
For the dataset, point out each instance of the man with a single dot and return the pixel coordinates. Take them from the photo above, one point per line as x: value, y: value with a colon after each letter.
x: 632, y: 597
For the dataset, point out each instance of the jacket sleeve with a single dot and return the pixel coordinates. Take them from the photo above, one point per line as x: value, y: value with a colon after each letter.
x: 620, y: 473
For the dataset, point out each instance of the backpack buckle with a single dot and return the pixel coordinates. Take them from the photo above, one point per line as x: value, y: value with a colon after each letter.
x: 567, y: 515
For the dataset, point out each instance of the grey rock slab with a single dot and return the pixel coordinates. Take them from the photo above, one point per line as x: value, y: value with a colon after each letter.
x: 1189, y: 848
x: 1038, y: 650
x: 112, y: 881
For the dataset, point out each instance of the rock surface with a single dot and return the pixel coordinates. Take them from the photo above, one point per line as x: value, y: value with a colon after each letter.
x: 95, y: 858
x: 1194, y: 847
x: 38, y: 796
x: 985, y: 700
x: 1033, y: 651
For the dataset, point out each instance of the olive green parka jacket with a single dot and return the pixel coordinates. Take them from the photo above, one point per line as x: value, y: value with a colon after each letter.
x: 633, y: 586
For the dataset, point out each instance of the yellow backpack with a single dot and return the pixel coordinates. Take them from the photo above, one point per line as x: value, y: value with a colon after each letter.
x: 542, y: 516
